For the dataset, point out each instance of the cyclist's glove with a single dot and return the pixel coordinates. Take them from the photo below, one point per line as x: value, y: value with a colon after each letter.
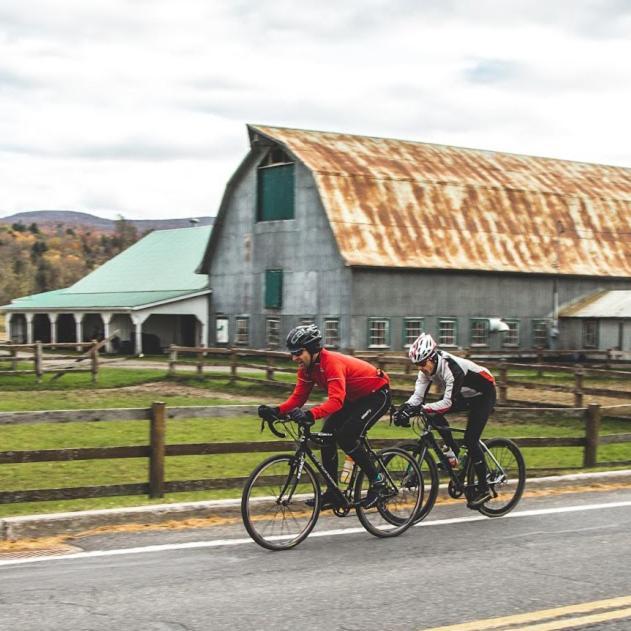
x: 267, y: 413
x: 301, y: 417
x: 402, y: 416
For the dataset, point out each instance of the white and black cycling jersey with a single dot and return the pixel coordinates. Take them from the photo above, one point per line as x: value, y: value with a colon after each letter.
x: 455, y: 377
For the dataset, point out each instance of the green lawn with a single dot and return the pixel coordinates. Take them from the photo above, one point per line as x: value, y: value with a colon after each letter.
x: 90, y: 473
x: 75, y: 391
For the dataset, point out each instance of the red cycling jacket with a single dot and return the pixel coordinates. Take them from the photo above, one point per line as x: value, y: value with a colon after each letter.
x: 344, y: 378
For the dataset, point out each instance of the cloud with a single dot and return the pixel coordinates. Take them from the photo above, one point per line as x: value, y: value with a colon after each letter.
x: 142, y: 104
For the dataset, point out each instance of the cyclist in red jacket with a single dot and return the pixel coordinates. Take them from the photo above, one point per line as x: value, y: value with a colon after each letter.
x: 358, y: 395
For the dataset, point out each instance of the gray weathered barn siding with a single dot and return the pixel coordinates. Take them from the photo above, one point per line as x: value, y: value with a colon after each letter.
x: 315, y: 280
x: 432, y: 295
x: 393, y: 229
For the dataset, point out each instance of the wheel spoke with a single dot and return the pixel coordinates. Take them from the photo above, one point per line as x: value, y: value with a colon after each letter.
x: 273, y: 506
x: 394, y: 514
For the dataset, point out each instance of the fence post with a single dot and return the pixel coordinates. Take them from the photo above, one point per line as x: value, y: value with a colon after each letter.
x: 578, y: 387
x: 200, y: 364
x: 14, y: 359
x: 592, y: 428
x: 38, y: 361
x: 503, y: 383
x: 157, y: 449
x: 234, y: 359
x: 269, y: 369
x: 94, y: 360
x: 540, y: 362
x: 608, y: 359
x: 172, y: 360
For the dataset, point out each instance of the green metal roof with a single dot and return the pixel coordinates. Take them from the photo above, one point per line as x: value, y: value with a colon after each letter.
x: 63, y: 299
x: 160, y: 267
x: 163, y: 260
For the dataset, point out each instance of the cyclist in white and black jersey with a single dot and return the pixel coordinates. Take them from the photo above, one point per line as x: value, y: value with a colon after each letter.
x: 465, y: 386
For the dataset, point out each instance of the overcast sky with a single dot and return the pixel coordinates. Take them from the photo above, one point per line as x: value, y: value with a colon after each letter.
x: 138, y: 107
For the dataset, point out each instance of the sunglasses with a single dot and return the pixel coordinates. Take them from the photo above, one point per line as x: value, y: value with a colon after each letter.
x: 297, y: 353
x: 423, y: 363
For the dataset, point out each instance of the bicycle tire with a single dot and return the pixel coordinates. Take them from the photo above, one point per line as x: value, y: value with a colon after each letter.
x: 270, y: 520
x: 510, y: 490
x: 392, y: 516
x: 431, y: 479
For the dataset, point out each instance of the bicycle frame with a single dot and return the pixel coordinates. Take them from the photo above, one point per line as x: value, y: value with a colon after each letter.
x: 427, y: 441
x: 303, y: 451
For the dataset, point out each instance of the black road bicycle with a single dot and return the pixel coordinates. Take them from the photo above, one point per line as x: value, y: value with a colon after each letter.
x: 281, y: 499
x: 506, y: 470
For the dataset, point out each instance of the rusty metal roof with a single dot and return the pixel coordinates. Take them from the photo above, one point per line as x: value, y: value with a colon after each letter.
x: 403, y: 204
x: 601, y: 304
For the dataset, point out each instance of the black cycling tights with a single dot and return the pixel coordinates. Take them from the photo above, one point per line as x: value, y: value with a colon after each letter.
x: 348, y: 424
x: 479, y: 409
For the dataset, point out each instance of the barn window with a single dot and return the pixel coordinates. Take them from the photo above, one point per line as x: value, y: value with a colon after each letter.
x: 540, y: 333
x: 447, y: 332
x: 275, y: 187
x: 272, y: 332
x: 511, y: 337
x: 479, y: 332
x: 378, y: 333
x: 273, y: 288
x: 412, y: 328
x: 242, y: 331
x: 590, y: 333
x: 331, y: 332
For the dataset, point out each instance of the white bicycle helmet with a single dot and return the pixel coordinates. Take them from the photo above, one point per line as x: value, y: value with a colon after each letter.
x: 423, y: 347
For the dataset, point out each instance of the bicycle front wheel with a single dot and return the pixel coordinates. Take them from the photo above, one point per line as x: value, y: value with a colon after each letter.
x: 278, y: 509
x: 506, y: 475
x: 396, y: 512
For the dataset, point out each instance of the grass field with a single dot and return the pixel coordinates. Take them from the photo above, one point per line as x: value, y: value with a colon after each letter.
x: 138, y: 388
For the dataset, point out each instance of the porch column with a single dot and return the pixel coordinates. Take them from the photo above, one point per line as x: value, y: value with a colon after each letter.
x: 203, y: 333
x: 78, y: 323
x: 7, y: 326
x: 29, y: 327
x: 107, y: 318
x: 52, y: 318
x: 138, y: 320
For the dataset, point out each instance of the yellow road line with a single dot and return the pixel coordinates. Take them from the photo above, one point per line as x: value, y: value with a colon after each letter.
x: 580, y: 621
x: 543, y: 614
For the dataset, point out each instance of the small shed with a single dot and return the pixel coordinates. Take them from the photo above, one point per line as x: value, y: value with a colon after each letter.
x: 600, y: 321
x: 145, y: 298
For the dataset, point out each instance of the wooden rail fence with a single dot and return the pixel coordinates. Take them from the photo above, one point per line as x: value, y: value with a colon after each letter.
x: 14, y: 354
x: 158, y: 448
x: 401, y: 370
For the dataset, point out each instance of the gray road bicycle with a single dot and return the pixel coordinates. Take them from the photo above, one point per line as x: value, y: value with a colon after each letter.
x: 281, y: 499
x: 506, y: 469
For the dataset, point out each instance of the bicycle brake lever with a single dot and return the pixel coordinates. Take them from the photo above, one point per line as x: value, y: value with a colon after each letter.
x: 275, y: 431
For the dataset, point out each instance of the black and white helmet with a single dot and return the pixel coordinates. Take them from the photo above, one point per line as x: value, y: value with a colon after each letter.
x: 304, y: 336
x: 423, y: 348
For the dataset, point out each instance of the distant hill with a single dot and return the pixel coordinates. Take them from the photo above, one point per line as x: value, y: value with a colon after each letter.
x: 71, y: 218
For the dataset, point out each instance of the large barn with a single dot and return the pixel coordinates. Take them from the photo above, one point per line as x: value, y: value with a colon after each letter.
x: 376, y: 239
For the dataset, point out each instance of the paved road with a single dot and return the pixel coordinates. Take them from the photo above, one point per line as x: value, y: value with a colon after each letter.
x: 553, y: 551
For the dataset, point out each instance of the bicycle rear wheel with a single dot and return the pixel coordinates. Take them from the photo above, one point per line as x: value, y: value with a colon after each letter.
x: 506, y: 477
x: 274, y: 503
x: 429, y: 472
x: 396, y: 512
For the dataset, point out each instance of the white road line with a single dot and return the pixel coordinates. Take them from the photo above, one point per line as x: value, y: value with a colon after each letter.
x: 218, y: 543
